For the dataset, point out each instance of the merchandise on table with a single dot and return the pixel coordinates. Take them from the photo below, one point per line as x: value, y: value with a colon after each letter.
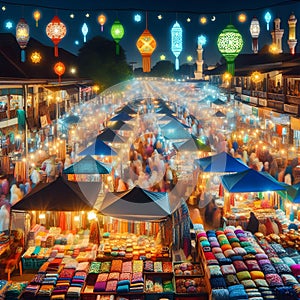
x: 243, y: 266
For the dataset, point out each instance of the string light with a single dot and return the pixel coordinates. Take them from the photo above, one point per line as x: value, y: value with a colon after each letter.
x: 194, y: 12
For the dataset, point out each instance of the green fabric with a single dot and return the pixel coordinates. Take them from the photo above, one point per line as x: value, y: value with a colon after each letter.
x: 21, y: 119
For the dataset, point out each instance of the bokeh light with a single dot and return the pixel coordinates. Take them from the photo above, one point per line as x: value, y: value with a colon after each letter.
x: 242, y: 17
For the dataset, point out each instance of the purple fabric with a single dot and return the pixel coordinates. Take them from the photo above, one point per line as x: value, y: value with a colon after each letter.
x: 100, y: 286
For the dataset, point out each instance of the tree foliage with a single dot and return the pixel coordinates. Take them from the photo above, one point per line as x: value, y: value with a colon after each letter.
x: 163, y: 68
x: 98, y: 60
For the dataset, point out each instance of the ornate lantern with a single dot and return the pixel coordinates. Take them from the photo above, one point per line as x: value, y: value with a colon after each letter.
x: 255, y: 31
x: 59, y: 69
x: 36, y: 16
x: 102, y: 21
x: 117, y: 32
x: 230, y: 44
x: 146, y: 45
x: 22, y: 37
x: 56, y: 31
x: 176, y: 42
x: 36, y: 57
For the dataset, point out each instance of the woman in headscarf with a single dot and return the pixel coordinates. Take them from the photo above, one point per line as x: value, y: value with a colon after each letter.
x: 253, y: 223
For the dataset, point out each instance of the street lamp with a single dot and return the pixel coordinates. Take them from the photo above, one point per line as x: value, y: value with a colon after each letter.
x: 256, y: 77
x: 227, y: 78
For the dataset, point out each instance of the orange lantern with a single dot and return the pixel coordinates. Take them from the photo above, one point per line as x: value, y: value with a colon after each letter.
x: 102, y: 20
x: 146, y: 44
x: 36, y: 16
x: 36, y: 57
x: 59, y: 69
x: 56, y: 31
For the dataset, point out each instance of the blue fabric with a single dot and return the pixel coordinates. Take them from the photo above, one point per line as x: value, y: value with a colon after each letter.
x: 220, y: 294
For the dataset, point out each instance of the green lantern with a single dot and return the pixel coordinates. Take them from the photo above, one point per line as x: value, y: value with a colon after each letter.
x: 117, y: 32
x: 230, y: 44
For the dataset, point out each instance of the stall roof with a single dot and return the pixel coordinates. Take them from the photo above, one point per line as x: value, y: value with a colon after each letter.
x: 249, y: 181
x: 60, y: 195
x: 221, y: 163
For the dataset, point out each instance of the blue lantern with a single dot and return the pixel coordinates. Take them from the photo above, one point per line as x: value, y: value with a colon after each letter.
x: 176, y: 42
x: 268, y: 19
x: 84, y: 30
x: 201, y: 40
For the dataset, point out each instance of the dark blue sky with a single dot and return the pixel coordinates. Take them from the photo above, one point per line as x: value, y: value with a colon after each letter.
x: 171, y: 10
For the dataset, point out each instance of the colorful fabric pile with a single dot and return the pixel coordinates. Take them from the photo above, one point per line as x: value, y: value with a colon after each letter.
x: 246, y: 267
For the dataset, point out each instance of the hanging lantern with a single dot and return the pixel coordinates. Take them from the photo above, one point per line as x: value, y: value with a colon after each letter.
x: 255, y: 31
x: 59, y: 69
x: 230, y: 44
x: 268, y: 18
x: 102, y: 20
x: 36, y: 57
x: 56, y: 31
x: 146, y: 44
x: 117, y: 32
x: 22, y: 37
x: 176, y: 42
x: 84, y: 30
x: 36, y: 16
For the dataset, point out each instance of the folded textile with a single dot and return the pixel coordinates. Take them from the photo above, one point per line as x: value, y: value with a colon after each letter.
x: 123, y: 288
x: 100, y: 286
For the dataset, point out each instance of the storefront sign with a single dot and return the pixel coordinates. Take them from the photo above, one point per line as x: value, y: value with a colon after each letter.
x: 263, y: 102
x: 245, y: 98
x: 255, y: 111
x: 253, y: 100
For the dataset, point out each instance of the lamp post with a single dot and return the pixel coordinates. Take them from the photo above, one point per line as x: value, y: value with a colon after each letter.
x: 256, y: 77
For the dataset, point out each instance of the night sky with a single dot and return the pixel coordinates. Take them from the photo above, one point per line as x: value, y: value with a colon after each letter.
x: 171, y: 10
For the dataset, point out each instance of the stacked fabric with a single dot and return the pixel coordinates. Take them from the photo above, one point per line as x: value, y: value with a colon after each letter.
x: 77, y: 284
x: 15, y: 289
x: 137, y: 282
x: 123, y: 286
x: 282, y: 277
x: 50, y: 279
x: 100, y: 284
x: 38, y: 279
x: 94, y: 270
x: 45, y: 290
x: 64, y: 281
x: 55, y: 265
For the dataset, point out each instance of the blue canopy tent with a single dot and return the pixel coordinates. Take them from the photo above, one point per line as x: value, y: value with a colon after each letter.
x: 109, y: 136
x: 98, y: 148
x: 171, y: 118
x: 164, y: 110
x: 221, y: 163
x: 249, y: 181
x: 126, y: 109
x: 218, y: 102
x: 88, y: 165
x: 136, y: 204
x: 119, y: 125
x: 174, y: 130
x: 219, y: 114
x: 192, y: 144
x: 208, y: 98
x: 296, y: 196
x: 123, y: 116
